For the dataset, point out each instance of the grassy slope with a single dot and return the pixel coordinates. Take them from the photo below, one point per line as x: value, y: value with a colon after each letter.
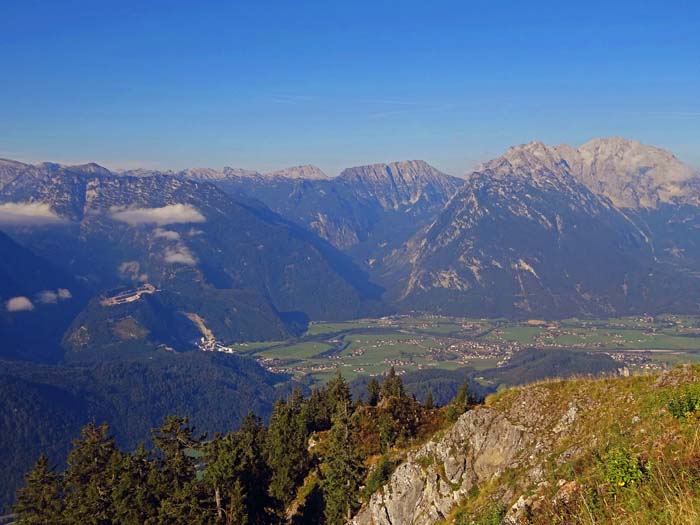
x: 624, y: 460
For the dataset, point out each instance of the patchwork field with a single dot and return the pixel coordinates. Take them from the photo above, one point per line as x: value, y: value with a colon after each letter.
x: 371, y: 346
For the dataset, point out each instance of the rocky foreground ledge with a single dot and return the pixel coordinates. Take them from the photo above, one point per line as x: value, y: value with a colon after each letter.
x: 538, y: 453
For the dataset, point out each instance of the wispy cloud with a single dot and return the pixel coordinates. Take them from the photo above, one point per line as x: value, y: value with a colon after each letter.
x: 179, y: 255
x: 169, y: 235
x: 53, y: 296
x: 170, y: 214
x: 28, y: 213
x: 132, y: 270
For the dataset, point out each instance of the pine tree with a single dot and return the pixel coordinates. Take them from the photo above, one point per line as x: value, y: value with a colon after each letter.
x: 39, y: 501
x: 183, y: 499
x: 373, y: 392
x: 93, y: 470
x: 460, y: 404
x: 286, y: 448
x: 236, y: 513
x: 387, y: 432
x: 392, y: 385
x: 296, y: 399
x: 172, y: 440
x: 134, y: 498
x: 342, y: 473
x: 239, y: 477
x: 429, y: 403
x: 338, y: 395
x: 461, y: 401
x: 317, y: 412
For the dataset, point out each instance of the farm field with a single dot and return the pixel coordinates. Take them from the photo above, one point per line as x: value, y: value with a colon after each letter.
x: 410, y: 343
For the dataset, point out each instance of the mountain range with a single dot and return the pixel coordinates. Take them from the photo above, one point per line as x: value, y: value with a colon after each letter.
x: 608, y: 228
x: 530, y: 235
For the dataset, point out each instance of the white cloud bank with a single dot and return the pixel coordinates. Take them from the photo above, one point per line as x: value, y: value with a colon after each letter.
x: 180, y: 255
x: 132, y: 270
x: 28, y: 213
x: 52, y: 297
x: 19, y: 304
x: 170, y: 235
x: 170, y: 214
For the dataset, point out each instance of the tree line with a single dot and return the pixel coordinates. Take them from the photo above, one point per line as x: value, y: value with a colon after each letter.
x: 314, y: 462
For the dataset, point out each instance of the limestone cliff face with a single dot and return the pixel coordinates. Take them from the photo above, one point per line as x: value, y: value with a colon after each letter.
x: 545, y: 453
x: 306, y: 171
x: 631, y: 174
x: 424, y: 489
x: 405, y: 183
x: 523, y: 237
x: 522, y: 433
x: 518, y: 435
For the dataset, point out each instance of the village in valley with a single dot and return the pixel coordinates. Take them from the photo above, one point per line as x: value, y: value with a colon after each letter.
x: 638, y: 344
x: 409, y: 343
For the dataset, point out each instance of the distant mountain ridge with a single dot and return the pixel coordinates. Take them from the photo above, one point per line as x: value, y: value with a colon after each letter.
x: 363, y: 210
x: 631, y: 174
x: 525, y: 236
x: 193, y: 242
x: 511, y: 238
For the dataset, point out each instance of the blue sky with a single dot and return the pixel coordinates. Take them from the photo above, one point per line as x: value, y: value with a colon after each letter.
x: 264, y: 85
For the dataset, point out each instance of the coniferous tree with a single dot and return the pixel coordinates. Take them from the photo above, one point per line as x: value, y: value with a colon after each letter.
x: 239, y: 476
x: 462, y: 399
x: 133, y: 498
x: 172, y: 440
x: 217, y: 473
x: 182, y: 497
x: 237, y: 513
x: 392, y: 385
x: 286, y: 448
x: 296, y: 399
x: 338, y: 394
x: 387, y: 432
x: 429, y: 403
x: 39, y: 501
x: 373, y: 392
x: 342, y: 474
x: 317, y: 411
x: 259, y: 504
x: 460, y: 404
x: 93, y: 470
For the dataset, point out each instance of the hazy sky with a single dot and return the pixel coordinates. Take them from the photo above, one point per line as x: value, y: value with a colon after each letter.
x: 264, y: 85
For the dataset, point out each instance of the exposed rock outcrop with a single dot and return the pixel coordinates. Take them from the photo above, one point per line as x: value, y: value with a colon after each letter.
x: 401, y: 183
x: 306, y: 171
x: 631, y: 174
x: 521, y: 435
x: 479, y: 447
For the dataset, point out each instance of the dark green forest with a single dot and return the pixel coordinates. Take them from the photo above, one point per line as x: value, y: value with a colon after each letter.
x: 318, y: 458
x: 44, y: 406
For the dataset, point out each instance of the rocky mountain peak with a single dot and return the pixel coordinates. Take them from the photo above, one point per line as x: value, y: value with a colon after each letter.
x: 9, y: 169
x: 8, y: 163
x: 91, y: 168
x: 535, y: 161
x: 240, y: 173
x: 629, y: 173
x: 401, y: 183
x: 203, y: 174
x: 306, y: 171
x: 405, y: 173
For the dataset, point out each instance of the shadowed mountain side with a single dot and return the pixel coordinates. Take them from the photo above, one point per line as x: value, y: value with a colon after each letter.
x: 44, y: 407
